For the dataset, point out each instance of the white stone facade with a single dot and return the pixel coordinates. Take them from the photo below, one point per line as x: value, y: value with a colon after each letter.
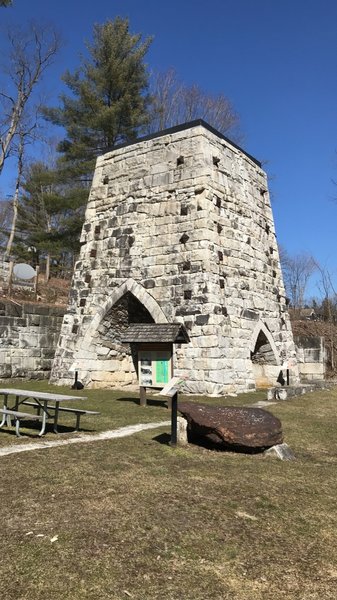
x: 179, y: 228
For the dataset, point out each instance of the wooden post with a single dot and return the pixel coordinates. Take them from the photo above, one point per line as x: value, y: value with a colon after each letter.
x: 174, y: 415
x: 288, y: 378
x: 142, y: 395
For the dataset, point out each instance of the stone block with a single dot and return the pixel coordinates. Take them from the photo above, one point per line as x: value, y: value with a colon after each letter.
x: 182, y: 431
x: 28, y: 340
x: 5, y: 371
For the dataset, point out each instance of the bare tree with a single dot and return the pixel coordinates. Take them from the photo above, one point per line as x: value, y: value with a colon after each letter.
x: 297, y: 271
x: 174, y: 103
x: 6, y: 209
x: 165, y: 92
x: 30, y: 54
x: 26, y: 134
x: 15, y: 203
x: 328, y: 294
x: 328, y: 308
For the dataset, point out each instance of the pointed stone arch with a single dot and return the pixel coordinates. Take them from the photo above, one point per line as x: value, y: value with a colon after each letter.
x: 262, y: 328
x: 137, y: 290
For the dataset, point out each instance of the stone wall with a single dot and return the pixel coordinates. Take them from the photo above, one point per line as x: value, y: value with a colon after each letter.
x: 311, y: 357
x: 28, y: 338
x: 182, y: 222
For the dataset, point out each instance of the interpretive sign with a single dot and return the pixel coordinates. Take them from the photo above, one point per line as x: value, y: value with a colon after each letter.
x: 171, y: 390
x: 171, y: 387
x: 154, y: 367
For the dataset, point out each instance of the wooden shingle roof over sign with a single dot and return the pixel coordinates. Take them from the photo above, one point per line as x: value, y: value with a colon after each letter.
x: 175, y: 333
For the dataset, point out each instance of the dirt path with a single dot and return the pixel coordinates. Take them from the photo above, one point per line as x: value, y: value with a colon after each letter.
x: 83, y: 438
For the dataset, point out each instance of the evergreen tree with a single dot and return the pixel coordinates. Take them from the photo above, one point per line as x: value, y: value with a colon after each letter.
x: 33, y: 219
x: 108, y: 99
x: 48, y: 225
x: 107, y: 105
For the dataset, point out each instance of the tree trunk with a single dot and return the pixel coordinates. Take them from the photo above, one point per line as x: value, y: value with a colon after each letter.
x: 332, y: 349
x: 16, y: 195
x: 47, y: 273
x: 31, y: 54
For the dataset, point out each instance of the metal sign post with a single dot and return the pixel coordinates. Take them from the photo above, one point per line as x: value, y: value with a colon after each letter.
x: 288, y: 365
x: 171, y: 390
x: 174, y: 418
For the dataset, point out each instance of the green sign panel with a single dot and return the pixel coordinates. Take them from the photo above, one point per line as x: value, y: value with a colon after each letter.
x: 162, y: 371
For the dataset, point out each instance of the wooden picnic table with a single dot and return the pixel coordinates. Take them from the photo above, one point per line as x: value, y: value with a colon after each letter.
x: 47, y: 405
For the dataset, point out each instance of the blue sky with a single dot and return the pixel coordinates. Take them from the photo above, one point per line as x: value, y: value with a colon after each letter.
x: 277, y: 62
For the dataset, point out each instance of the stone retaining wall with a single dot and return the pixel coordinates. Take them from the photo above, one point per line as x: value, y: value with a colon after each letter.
x: 311, y: 357
x: 28, y: 338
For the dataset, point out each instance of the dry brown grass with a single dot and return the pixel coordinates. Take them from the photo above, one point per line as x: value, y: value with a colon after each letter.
x: 137, y: 519
x: 55, y: 292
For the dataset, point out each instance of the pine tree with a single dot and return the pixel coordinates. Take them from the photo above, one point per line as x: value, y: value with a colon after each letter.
x: 108, y: 99
x: 107, y: 105
x: 48, y: 225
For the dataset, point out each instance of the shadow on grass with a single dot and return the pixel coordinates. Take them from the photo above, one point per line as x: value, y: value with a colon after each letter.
x: 5, y: 431
x: 206, y: 444
x: 34, y: 430
x: 162, y: 438
x: 149, y: 401
x: 62, y: 429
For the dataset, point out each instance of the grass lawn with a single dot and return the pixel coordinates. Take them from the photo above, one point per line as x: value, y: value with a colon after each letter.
x: 134, y: 518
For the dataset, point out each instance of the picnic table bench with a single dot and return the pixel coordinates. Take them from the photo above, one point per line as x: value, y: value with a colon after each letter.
x: 18, y: 416
x: 41, y: 402
x: 76, y: 411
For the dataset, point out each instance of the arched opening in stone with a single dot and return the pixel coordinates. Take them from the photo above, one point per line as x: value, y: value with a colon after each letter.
x: 120, y: 359
x: 264, y: 360
x: 263, y: 353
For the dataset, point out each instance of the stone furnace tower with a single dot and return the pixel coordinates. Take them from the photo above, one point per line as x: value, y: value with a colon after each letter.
x: 179, y: 229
